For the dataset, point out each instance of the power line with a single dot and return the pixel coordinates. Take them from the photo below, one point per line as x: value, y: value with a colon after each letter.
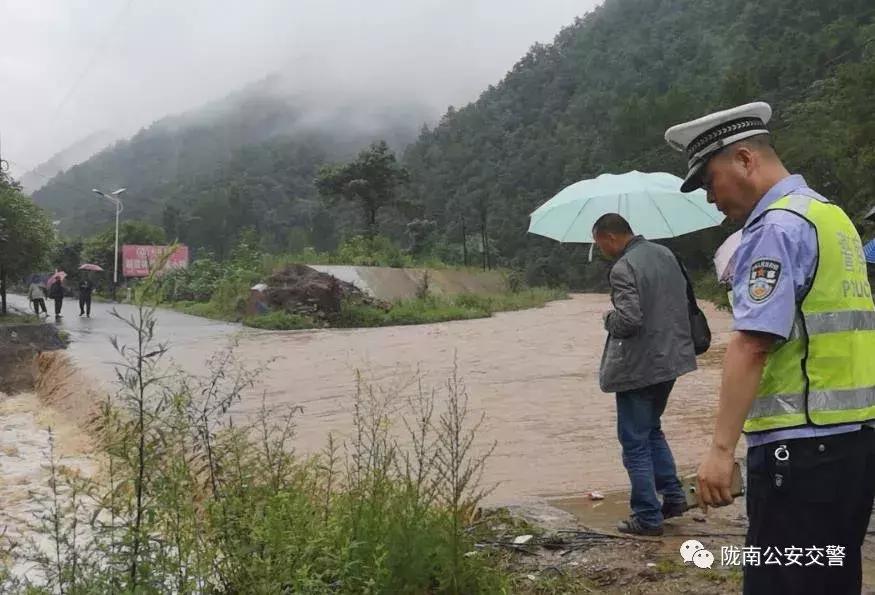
x: 98, y: 49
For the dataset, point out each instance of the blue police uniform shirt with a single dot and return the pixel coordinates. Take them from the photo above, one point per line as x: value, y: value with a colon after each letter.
x: 774, y: 267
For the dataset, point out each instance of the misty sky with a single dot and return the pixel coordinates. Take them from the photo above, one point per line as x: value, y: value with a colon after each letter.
x: 71, y: 67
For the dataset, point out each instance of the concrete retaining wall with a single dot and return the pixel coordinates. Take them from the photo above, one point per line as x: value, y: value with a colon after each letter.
x: 394, y: 284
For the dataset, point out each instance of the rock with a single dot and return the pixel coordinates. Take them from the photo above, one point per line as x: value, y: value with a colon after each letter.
x: 522, y: 539
x: 700, y: 518
x: 257, y: 302
x: 596, y: 496
x: 540, y: 513
x: 299, y: 289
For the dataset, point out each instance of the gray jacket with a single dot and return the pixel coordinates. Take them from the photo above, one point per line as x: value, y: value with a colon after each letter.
x: 649, y: 328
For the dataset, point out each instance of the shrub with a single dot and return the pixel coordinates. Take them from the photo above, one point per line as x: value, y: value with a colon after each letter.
x: 196, y: 283
x: 708, y: 288
x: 191, y: 503
x: 354, y: 314
x: 371, y: 251
x: 280, y: 321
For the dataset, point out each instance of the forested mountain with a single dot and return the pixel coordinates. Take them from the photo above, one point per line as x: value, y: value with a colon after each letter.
x: 600, y: 97
x: 76, y: 153
x: 247, y: 160
x: 596, y: 100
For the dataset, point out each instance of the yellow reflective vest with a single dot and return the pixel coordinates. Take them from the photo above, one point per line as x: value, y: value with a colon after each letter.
x: 824, y: 374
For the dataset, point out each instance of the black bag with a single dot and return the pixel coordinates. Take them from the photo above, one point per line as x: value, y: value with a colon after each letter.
x: 699, y: 328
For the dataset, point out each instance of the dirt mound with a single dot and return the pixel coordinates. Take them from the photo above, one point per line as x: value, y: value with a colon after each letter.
x: 66, y: 389
x: 298, y: 289
x: 19, y: 345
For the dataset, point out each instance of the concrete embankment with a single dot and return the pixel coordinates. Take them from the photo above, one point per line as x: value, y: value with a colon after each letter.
x: 392, y: 284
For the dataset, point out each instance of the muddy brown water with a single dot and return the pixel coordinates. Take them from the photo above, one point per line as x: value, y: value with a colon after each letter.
x: 533, y: 373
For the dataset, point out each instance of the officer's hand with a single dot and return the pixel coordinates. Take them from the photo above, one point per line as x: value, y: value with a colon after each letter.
x: 714, y: 479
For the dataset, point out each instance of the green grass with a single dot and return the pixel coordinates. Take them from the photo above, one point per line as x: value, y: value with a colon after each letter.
x: 280, y: 321
x: 202, y: 309
x: 228, y: 304
x: 669, y: 566
x: 432, y: 309
x: 14, y: 318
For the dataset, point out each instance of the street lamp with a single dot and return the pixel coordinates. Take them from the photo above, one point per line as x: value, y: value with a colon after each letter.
x: 114, y: 198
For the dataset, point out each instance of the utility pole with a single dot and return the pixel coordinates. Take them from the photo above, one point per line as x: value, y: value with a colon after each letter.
x: 114, y: 198
x: 464, y: 241
x: 4, y: 167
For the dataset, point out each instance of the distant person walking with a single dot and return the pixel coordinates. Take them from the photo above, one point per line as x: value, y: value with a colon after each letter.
x: 649, y: 346
x: 86, y: 288
x: 56, y: 293
x: 37, y: 298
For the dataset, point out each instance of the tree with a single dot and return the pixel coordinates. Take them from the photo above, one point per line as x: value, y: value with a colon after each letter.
x: 8, y: 182
x: 26, y: 238
x: 171, y: 220
x: 599, y: 99
x: 98, y: 248
x: 67, y: 256
x: 371, y: 180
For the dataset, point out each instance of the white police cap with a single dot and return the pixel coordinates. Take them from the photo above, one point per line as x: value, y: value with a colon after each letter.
x: 702, y: 138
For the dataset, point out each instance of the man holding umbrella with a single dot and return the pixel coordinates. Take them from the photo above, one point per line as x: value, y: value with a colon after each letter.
x: 797, y: 376
x: 86, y: 288
x: 651, y: 340
x: 56, y: 291
x: 649, y: 346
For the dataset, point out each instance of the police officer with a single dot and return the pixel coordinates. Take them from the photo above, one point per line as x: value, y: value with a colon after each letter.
x: 798, y: 375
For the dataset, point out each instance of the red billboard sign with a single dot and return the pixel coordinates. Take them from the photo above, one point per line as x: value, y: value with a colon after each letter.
x: 138, y: 261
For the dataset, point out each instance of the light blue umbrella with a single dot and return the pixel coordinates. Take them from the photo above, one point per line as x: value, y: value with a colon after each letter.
x: 652, y: 203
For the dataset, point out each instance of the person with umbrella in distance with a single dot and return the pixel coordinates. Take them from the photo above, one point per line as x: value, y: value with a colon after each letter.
x: 86, y: 288
x: 56, y: 291
x: 798, y: 377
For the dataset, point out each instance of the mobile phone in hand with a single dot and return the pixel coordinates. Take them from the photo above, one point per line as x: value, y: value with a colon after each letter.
x: 690, y: 486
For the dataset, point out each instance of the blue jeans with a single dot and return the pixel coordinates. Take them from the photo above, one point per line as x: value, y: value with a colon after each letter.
x: 646, y: 454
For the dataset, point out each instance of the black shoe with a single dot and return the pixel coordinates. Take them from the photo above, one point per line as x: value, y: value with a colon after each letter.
x: 671, y: 510
x: 634, y: 527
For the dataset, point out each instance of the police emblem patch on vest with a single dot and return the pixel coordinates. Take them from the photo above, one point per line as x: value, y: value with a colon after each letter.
x: 764, y: 275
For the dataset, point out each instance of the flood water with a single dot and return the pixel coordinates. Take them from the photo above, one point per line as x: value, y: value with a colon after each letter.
x: 533, y: 373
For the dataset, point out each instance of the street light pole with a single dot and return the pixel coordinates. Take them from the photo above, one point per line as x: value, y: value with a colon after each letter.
x: 114, y: 198
x: 118, y: 210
